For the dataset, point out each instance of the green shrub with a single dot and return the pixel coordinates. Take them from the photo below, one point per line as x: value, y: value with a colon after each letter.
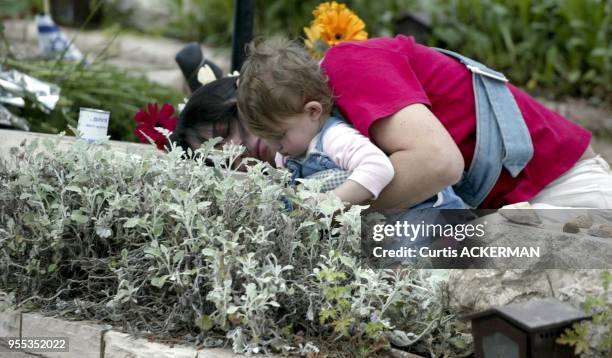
x: 562, y: 46
x: 212, y: 21
x: 559, y: 46
x: 20, y: 7
x: 208, y: 21
x: 172, y: 247
x: 288, y: 18
x: 593, y: 338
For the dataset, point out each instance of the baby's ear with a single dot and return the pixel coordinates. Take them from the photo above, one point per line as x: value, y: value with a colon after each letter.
x: 313, y: 109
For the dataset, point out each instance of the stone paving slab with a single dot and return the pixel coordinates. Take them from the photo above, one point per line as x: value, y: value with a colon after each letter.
x: 88, y: 339
x: 18, y: 355
x: 9, y: 323
x: 122, y: 345
x: 85, y: 338
x: 396, y: 353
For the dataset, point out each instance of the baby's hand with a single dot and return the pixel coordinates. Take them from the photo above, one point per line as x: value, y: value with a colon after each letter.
x: 326, y: 203
x: 325, y: 196
x: 315, y: 200
x: 352, y: 193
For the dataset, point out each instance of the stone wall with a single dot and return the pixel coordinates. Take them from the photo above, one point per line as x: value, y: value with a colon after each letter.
x: 91, y: 340
x: 15, y: 138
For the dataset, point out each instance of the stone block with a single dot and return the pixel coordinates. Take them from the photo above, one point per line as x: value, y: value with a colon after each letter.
x: 122, y: 345
x: 85, y: 338
x: 396, y: 353
x: 477, y: 290
x: 19, y: 355
x: 221, y: 353
x: 9, y: 323
x: 14, y: 138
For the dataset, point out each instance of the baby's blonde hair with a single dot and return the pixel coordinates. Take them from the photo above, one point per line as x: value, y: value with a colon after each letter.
x: 277, y: 80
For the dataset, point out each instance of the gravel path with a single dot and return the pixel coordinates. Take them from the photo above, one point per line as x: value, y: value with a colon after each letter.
x: 152, y: 56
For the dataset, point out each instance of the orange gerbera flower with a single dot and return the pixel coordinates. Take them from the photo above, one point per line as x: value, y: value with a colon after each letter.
x: 342, y: 25
x: 327, y: 6
x: 333, y: 24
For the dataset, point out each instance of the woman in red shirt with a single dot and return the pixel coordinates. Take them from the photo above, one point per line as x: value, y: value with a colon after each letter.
x: 419, y: 106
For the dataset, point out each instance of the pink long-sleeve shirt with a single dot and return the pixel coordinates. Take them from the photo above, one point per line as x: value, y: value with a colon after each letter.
x: 350, y: 150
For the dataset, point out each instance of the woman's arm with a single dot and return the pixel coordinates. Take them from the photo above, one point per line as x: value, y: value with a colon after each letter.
x: 424, y: 156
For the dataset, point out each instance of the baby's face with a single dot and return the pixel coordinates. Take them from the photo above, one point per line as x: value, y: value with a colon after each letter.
x: 296, y: 133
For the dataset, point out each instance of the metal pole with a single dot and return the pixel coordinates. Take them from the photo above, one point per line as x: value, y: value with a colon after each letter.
x: 244, y: 16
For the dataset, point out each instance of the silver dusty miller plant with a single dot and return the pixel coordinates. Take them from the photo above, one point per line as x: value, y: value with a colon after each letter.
x: 175, y: 248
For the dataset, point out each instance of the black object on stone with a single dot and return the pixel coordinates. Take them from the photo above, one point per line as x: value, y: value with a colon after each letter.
x: 524, y: 330
x: 189, y: 59
x: 244, y: 15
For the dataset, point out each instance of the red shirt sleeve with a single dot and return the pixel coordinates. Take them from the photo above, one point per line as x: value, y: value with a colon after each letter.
x: 373, y: 79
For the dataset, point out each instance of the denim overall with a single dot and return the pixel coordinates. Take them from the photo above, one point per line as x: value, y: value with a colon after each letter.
x: 502, y: 137
x: 502, y: 141
x: 318, y: 161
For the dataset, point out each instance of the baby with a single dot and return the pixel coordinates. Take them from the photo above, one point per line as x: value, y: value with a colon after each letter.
x: 284, y: 99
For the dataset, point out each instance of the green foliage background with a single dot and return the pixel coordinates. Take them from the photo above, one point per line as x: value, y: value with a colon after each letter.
x: 211, y: 21
x: 593, y: 338
x: 564, y: 46
x: 553, y: 48
x: 14, y: 8
x: 561, y: 47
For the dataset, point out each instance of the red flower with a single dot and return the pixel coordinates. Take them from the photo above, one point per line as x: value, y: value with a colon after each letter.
x: 147, y: 121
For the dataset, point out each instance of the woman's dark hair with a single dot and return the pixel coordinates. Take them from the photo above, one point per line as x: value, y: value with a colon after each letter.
x: 210, y: 103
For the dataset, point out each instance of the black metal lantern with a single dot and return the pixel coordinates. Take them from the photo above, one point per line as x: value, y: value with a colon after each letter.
x: 524, y: 330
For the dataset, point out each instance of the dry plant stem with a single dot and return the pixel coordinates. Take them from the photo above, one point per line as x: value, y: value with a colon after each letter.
x: 42, y: 298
